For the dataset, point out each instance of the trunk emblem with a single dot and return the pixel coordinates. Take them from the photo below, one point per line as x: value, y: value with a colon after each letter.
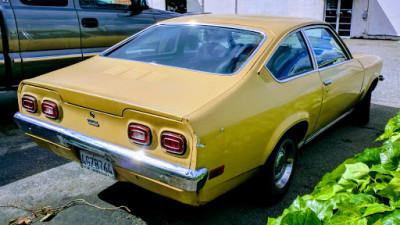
x: 92, y: 114
x: 93, y: 122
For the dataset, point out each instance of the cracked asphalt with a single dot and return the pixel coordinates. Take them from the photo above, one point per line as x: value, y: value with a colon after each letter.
x: 39, y: 178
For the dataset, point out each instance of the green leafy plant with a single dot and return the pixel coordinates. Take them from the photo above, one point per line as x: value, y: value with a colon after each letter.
x: 364, y: 190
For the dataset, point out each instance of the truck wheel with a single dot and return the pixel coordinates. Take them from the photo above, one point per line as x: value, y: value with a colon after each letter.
x: 361, y: 112
x: 277, y: 173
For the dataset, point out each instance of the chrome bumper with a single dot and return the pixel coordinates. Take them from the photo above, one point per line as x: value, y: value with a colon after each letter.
x: 136, y: 161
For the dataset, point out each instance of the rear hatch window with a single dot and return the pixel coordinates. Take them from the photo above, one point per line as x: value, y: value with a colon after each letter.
x: 205, y: 48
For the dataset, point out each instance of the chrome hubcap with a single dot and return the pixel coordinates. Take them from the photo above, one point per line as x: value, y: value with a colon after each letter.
x: 283, y: 165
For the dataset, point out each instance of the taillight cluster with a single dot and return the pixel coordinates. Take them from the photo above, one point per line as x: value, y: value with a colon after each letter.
x: 139, y: 134
x: 170, y: 142
x: 174, y: 143
x: 29, y: 103
x: 49, y: 108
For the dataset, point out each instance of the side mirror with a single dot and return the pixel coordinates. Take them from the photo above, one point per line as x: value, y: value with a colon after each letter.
x: 136, y: 7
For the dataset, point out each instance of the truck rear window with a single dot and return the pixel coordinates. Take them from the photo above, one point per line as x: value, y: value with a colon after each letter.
x: 205, y: 48
x: 45, y: 2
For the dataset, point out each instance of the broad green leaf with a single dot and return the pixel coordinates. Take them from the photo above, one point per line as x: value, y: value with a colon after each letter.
x: 346, y: 220
x: 390, y: 158
x: 395, y: 138
x: 392, y: 218
x: 376, y: 208
x: 376, y: 219
x: 364, y: 184
x: 378, y: 186
x: 331, y: 178
x: 355, y: 171
x: 324, y: 193
x: 378, y: 168
x: 382, y: 178
x: 272, y: 221
x: 363, y: 200
x: 392, y: 190
x: 323, y: 209
x: 369, y: 156
x: 341, y: 197
x: 307, y: 197
x: 394, y: 204
x: 298, y: 204
x: 392, y: 128
x: 348, y: 208
x: 301, y: 218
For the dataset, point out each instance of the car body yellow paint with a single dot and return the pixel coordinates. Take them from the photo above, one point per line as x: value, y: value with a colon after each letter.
x: 227, y: 120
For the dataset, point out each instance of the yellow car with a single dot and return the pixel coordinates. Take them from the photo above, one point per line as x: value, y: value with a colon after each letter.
x: 194, y: 106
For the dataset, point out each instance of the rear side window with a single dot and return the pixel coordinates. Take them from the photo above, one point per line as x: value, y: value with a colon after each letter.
x: 326, y: 48
x: 105, y: 4
x: 291, y: 58
x: 45, y: 2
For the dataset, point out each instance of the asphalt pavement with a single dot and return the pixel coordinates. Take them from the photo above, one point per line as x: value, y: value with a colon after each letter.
x: 39, y: 178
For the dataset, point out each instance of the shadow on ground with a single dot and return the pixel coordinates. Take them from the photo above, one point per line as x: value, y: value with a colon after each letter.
x: 19, y: 156
x: 241, y: 206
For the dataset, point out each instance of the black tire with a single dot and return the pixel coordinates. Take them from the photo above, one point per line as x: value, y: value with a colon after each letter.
x: 361, y: 112
x: 277, y: 174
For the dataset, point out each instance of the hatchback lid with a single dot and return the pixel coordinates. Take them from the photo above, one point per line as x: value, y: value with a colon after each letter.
x: 113, y: 85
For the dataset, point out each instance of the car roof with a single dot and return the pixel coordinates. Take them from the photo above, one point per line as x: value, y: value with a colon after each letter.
x: 275, y: 24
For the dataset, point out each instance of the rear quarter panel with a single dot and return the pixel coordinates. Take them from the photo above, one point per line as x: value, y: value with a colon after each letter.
x: 372, y: 65
x: 240, y: 128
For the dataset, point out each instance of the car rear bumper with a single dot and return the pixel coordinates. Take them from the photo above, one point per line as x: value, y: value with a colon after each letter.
x: 135, y: 161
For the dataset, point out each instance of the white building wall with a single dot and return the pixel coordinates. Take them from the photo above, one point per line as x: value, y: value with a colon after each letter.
x: 381, y: 19
x: 303, y: 8
x: 359, y: 19
x: 382, y: 16
x: 306, y: 8
x: 219, y: 6
x: 157, y: 4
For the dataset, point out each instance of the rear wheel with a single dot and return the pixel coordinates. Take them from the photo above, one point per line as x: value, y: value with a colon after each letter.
x: 277, y: 174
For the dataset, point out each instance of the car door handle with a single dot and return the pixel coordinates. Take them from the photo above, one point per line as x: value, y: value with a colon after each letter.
x: 90, y: 22
x: 327, y: 82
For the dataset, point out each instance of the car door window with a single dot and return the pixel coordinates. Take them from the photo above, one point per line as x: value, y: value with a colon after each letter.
x: 326, y: 48
x: 45, y: 2
x: 290, y: 58
x: 105, y: 4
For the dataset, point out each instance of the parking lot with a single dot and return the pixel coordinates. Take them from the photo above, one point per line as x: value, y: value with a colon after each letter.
x: 39, y: 178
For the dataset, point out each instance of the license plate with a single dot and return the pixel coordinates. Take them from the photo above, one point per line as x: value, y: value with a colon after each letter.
x: 97, y: 163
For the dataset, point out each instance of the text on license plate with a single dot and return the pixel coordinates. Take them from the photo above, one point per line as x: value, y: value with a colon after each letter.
x: 97, y: 163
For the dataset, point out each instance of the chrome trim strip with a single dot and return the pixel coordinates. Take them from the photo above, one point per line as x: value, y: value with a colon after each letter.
x: 264, y: 38
x: 291, y: 77
x: 90, y: 54
x: 313, y: 136
x: 310, y: 50
x: 337, y: 64
x: 16, y: 60
x: 136, y: 161
x: 51, y: 57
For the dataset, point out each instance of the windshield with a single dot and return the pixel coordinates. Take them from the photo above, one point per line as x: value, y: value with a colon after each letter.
x: 203, y: 48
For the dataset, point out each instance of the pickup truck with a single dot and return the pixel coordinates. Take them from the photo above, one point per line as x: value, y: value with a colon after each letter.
x: 38, y: 36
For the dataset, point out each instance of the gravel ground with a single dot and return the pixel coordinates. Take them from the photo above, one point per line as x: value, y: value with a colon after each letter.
x: 387, y: 92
